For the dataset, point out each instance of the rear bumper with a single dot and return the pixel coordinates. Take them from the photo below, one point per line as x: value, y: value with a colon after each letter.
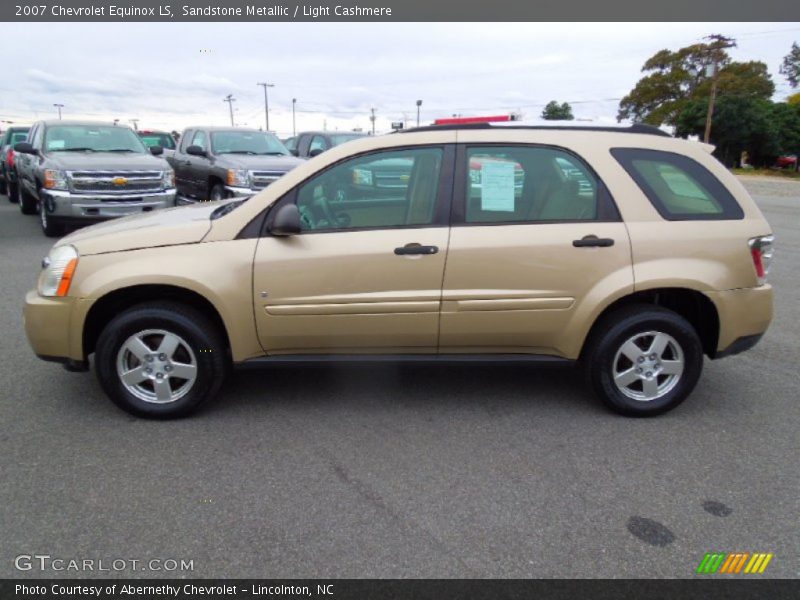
x: 85, y: 207
x: 744, y: 316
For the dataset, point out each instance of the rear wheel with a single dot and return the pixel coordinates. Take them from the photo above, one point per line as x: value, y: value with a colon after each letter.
x: 4, y: 185
x: 27, y: 203
x: 160, y: 360
x: 643, y: 360
x: 13, y: 193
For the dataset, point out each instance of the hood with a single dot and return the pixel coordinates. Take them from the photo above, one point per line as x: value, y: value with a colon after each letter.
x: 166, y: 227
x: 105, y: 161
x: 259, y: 163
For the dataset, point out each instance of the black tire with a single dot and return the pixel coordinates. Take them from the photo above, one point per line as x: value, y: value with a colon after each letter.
x: 4, y: 185
x: 13, y: 193
x: 27, y: 203
x: 604, y: 357
x: 51, y: 226
x: 217, y: 192
x: 192, y: 328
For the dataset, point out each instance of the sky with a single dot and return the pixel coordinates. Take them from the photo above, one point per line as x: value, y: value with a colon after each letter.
x: 172, y: 75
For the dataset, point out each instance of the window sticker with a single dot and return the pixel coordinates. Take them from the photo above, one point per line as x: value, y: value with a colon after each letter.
x: 56, y: 144
x: 497, y: 186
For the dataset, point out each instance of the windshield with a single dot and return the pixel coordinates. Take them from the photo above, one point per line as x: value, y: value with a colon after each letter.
x: 246, y: 142
x: 158, y: 139
x: 94, y: 138
x: 341, y: 138
x: 18, y: 136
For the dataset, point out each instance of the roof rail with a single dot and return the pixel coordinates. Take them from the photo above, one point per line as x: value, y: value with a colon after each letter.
x: 640, y: 128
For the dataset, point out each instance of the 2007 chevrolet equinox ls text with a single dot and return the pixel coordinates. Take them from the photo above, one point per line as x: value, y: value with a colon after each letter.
x: 623, y: 250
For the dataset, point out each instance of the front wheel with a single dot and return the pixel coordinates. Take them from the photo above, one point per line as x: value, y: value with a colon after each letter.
x: 51, y: 226
x: 13, y: 193
x: 643, y: 360
x: 160, y: 360
x: 217, y: 192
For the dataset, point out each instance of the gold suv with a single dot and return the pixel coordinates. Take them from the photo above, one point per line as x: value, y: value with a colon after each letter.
x: 625, y: 251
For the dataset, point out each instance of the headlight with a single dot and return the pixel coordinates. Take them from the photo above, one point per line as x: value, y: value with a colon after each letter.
x: 58, y: 267
x: 168, y: 180
x: 55, y: 179
x: 238, y: 178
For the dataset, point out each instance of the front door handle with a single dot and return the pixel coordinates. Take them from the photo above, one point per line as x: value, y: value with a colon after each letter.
x: 415, y: 248
x: 588, y: 241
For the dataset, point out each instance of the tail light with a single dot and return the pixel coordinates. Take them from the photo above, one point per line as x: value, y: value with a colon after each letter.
x: 10, y: 157
x: 761, y: 250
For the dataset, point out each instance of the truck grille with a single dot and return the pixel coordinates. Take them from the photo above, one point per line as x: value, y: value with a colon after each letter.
x: 116, y: 182
x: 261, y: 179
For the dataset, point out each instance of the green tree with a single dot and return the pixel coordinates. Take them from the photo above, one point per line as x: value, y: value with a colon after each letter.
x: 740, y: 123
x: 673, y: 80
x: 557, y: 112
x: 790, y: 67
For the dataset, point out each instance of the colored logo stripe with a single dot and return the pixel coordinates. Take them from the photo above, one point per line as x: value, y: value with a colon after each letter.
x: 723, y: 562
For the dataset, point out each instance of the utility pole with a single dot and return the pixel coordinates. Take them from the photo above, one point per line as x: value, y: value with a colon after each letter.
x: 419, y: 103
x: 294, y: 126
x: 266, y: 101
x: 230, y: 100
x: 59, y: 107
x: 719, y: 43
x: 135, y: 124
x: 372, y: 118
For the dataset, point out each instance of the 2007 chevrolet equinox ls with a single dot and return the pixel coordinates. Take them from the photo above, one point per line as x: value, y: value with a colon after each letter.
x: 623, y: 250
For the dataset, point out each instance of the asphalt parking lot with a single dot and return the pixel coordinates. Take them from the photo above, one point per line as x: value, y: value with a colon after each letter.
x: 404, y: 471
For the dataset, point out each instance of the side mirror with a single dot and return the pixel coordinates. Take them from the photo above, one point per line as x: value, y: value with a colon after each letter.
x: 156, y: 150
x: 196, y: 151
x: 286, y: 221
x: 315, y: 152
x: 24, y: 148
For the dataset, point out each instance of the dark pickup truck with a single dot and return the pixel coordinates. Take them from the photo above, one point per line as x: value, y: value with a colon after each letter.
x: 309, y: 144
x: 212, y: 163
x: 79, y: 171
x: 8, y: 176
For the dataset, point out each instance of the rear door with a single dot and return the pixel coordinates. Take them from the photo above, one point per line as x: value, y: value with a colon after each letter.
x: 181, y: 164
x: 536, y: 242
x: 363, y: 276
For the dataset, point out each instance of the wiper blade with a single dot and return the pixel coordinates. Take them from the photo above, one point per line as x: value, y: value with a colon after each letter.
x: 238, y: 152
x: 226, y: 208
x: 73, y: 150
x: 119, y: 150
x: 272, y: 154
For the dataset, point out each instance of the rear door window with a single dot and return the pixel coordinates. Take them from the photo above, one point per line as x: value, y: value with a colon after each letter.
x: 679, y: 188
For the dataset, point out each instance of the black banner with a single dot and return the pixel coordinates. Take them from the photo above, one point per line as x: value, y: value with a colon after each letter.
x: 362, y: 589
x: 395, y: 10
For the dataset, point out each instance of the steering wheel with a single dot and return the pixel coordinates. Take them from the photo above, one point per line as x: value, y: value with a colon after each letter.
x: 325, y: 207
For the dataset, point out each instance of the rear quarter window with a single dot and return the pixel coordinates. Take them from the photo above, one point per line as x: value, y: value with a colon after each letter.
x: 678, y: 187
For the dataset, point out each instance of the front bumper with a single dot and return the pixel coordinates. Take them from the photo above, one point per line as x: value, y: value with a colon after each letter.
x: 744, y: 316
x: 47, y: 325
x: 68, y: 205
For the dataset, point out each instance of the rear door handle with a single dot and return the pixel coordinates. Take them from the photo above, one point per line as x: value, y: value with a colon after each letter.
x: 592, y: 240
x: 415, y: 248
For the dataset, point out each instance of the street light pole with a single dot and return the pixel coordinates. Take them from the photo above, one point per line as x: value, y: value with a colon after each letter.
x: 59, y: 107
x: 719, y: 43
x: 135, y: 124
x: 294, y: 127
x: 230, y: 100
x: 372, y: 118
x: 266, y: 101
x: 419, y: 103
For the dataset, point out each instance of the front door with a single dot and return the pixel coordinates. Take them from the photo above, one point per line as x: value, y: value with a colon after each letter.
x: 536, y: 243
x: 365, y: 273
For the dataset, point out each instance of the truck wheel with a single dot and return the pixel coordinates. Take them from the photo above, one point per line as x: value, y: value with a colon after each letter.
x: 13, y: 193
x: 51, y: 226
x: 4, y: 186
x: 217, y: 192
x: 160, y: 360
x: 643, y: 360
x: 27, y: 203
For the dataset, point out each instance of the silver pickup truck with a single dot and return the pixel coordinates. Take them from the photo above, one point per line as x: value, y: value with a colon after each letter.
x: 74, y: 172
